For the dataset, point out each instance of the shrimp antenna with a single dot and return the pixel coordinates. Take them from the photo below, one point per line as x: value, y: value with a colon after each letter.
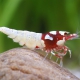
x: 77, y: 31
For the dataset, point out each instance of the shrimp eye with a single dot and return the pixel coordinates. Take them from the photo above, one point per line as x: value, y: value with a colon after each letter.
x: 66, y: 33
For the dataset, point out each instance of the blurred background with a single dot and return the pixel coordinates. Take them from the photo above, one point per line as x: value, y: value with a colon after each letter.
x: 42, y: 16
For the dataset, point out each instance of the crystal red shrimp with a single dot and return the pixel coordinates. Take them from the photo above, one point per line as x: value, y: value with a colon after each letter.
x: 51, y: 42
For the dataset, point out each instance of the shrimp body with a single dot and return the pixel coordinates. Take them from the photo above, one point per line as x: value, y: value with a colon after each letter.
x: 51, y: 42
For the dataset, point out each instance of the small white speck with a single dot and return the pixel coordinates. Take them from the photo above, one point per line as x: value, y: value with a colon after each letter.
x: 60, y: 42
x: 53, y: 32
x: 48, y: 37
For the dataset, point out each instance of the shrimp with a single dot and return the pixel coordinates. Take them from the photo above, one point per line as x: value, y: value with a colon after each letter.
x: 51, y: 42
